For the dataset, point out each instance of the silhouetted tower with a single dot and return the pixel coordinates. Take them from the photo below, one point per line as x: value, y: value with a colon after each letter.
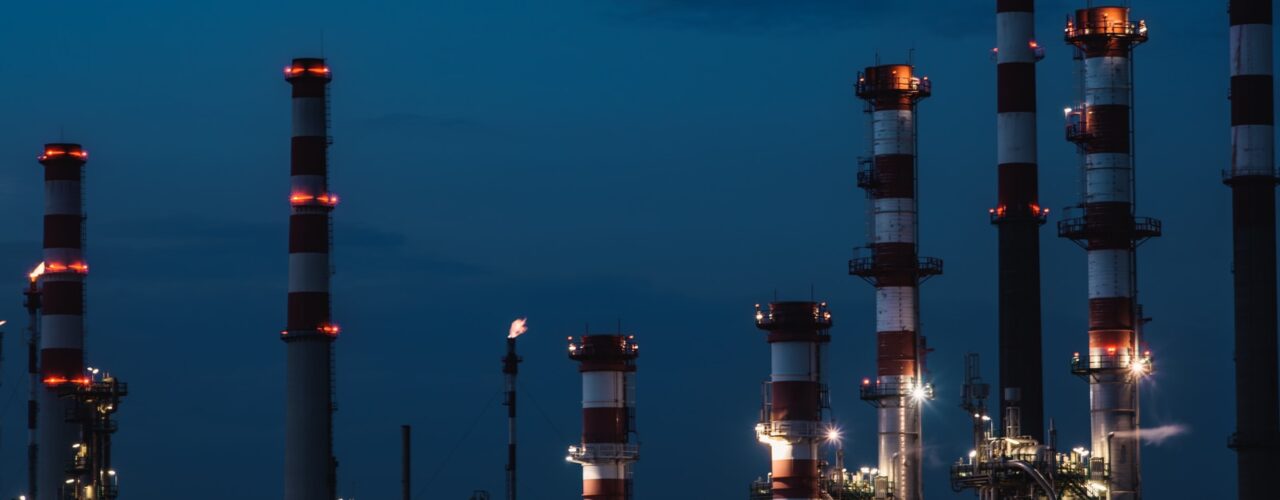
x: 1018, y: 215
x: 62, y: 319
x: 1252, y: 179
x: 310, y: 468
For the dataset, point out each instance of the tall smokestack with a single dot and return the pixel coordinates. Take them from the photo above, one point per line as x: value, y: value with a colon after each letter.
x: 896, y: 270
x: 791, y: 420
x: 310, y: 468
x: 1253, y: 180
x: 510, y: 367
x: 608, y: 367
x: 1018, y: 215
x: 1109, y: 232
x: 62, y: 321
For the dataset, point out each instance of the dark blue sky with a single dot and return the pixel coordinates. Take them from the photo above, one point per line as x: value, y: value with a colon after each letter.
x: 668, y: 163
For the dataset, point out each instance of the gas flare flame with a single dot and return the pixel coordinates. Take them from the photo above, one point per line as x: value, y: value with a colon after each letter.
x: 517, y: 327
x: 35, y: 273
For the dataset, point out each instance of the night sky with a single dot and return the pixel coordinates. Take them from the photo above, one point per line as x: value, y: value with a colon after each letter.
x: 663, y: 164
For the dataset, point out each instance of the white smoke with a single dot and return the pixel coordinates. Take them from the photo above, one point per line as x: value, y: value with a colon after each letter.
x: 1156, y: 435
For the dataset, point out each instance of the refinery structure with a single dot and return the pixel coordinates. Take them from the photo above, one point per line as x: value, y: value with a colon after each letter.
x: 1014, y: 451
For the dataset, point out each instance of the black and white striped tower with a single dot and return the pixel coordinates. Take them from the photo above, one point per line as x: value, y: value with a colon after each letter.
x: 1252, y: 179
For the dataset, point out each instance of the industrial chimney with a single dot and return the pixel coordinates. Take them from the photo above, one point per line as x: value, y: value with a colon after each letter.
x: 795, y: 396
x: 608, y: 367
x: 895, y: 269
x: 61, y: 284
x: 1252, y: 179
x: 1104, y: 38
x: 310, y: 468
x: 1017, y: 215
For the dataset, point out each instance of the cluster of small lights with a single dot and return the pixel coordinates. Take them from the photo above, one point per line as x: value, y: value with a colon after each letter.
x: 296, y: 70
x: 326, y: 199
x: 56, y: 153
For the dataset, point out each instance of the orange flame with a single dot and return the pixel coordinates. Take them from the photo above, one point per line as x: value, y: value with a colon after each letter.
x: 517, y: 327
x: 35, y: 273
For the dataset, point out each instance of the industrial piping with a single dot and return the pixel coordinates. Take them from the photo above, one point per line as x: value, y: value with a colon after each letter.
x: 795, y: 396
x: 895, y: 269
x: 62, y: 322
x: 1252, y: 180
x: 1109, y: 232
x: 310, y: 468
x: 607, y: 364
x: 1018, y: 215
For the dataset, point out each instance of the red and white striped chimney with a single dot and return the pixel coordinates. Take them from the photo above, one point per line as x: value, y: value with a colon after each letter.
x: 62, y: 321
x: 896, y: 270
x: 1109, y: 232
x: 608, y: 367
x: 1252, y: 179
x: 791, y: 423
x: 310, y: 468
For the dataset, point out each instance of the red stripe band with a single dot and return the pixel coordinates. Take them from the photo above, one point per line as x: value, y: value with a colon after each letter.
x: 894, y: 176
x: 605, y: 425
x: 1250, y: 12
x: 309, y: 233
x: 796, y: 401
x: 308, y: 311
x: 1016, y: 87
x: 1252, y: 100
x: 606, y: 489
x: 63, y: 297
x: 64, y: 364
x: 63, y: 231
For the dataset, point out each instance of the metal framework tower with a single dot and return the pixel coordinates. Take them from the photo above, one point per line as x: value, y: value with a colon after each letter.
x: 1018, y: 215
x: 61, y: 285
x: 1252, y: 180
x: 31, y: 296
x: 795, y: 396
x: 91, y: 476
x: 608, y: 367
x: 896, y: 270
x: 511, y: 368
x: 310, y: 468
x: 1110, y: 233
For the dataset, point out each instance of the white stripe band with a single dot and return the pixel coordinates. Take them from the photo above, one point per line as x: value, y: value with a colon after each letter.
x: 603, y: 390
x: 895, y: 309
x: 1109, y: 274
x: 1107, y: 81
x: 308, y: 272
x: 1251, y: 49
x: 1254, y: 148
x: 308, y: 117
x: 1014, y: 33
x: 893, y: 132
x: 1016, y: 137
x: 62, y: 198
x: 895, y: 220
x: 62, y: 331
